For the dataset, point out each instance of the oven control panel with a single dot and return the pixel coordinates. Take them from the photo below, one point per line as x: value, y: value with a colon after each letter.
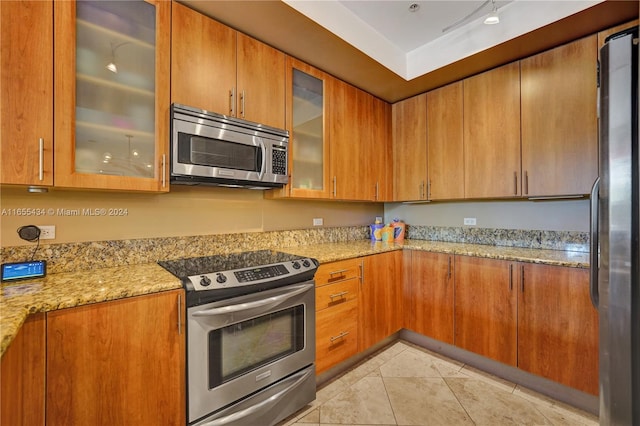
x: 251, y: 276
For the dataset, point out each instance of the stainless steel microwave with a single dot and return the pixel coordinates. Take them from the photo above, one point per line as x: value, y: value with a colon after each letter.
x: 215, y: 149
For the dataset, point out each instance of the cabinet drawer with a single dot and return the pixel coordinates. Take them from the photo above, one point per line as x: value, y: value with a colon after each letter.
x: 338, y: 271
x: 336, y: 335
x: 332, y: 295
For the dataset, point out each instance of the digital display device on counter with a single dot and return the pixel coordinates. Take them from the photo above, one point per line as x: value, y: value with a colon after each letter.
x: 24, y: 270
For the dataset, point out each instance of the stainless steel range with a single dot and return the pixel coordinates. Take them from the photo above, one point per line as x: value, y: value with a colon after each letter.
x: 250, y: 336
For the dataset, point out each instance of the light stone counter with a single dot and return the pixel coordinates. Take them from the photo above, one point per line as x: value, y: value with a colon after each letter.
x: 70, y: 289
x: 330, y: 252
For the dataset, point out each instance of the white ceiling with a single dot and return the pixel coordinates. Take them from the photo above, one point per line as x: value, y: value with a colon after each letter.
x: 412, y: 44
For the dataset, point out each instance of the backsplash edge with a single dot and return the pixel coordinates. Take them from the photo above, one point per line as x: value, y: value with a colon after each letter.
x: 70, y: 257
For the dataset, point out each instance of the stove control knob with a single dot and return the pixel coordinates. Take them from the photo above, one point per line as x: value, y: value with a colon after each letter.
x: 221, y: 278
x: 296, y: 265
x: 306, y: 263
x: 205, y: 281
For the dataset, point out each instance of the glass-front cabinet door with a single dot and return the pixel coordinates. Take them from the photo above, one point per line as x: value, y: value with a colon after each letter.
x: 111, y: 104
x: 307, y: 122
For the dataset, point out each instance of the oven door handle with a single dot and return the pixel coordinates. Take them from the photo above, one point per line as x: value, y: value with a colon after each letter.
x: 255, y: 409
x: 270, y: 301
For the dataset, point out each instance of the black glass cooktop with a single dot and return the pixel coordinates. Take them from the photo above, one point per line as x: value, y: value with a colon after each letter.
x: 183, y: 268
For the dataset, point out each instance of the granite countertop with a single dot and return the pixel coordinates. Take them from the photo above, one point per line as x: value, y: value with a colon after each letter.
x: 69, y: 289
x: 330, y: 252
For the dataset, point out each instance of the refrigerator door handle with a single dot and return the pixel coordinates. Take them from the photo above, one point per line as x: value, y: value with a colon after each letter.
x: 594, y: 245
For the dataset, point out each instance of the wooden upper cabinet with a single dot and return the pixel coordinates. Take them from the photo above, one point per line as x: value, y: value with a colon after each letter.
x: 559, y: 120
x: 445, y: 143
x: 203, y: 61
x: 558, y: 326
x: 22, y: 388
x: 214, y: 67
x: 486, y: 301
x: 111, y: 101
x: 409, y: 124
x: 261, y: 82
x: 381, y: 150
x: 492, y: 133
x: 26, y: 74
x: 360, y: 144
x: 118, y: 362
x: 350, y: 108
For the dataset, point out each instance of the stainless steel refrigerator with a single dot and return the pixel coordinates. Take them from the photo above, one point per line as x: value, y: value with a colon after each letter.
x: 615, y: 212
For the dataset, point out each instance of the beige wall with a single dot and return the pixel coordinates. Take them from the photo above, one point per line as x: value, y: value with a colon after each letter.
x: 562, y: 215
x: 210, y: 210
x: 184, y: 211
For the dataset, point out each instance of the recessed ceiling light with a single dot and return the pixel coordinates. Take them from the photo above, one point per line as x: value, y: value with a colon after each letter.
x: 414, y: 7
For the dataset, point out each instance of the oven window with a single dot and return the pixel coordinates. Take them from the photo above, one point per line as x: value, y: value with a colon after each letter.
x: 245, y: 346
x: 213, y: 152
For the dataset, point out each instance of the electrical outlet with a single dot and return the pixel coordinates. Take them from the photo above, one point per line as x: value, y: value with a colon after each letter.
x: 47, y: 232
x: 470, y: 221
x: 317, y: 221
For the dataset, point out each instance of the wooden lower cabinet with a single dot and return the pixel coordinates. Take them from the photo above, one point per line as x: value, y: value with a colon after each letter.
x: 558, y: 326
x: 336, y: 335
x: 118, y: 362
x: 22, y: 376
x: 337, y: 298
x: 536, y: 317
x: 358, y: 304
x: 486, y: 307
x: 381, y: 298
x: 429, y: 308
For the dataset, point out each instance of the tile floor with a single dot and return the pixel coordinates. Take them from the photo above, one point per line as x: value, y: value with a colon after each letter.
x: 408, y: 385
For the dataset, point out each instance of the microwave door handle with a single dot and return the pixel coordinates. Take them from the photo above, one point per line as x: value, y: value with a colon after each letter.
x: 262, y: 405
x: 263, y: 166
x: 270, y: 301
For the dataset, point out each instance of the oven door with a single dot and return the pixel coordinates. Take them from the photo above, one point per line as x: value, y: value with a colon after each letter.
x: 242, y: 345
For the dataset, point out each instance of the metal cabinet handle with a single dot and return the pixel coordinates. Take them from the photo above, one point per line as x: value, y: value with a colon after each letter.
x: 361, y: 272
x: 232, y: 101
x: 179, y: 313
x: 449, y: 272
x: 41, y: 159
x: 341, y: 294
x: 164, y: 170
x: 377, y: 191
x: 335, y: 191
x: 510, y: 277
x: 339, y: 271
x: 339, y: 336
x: 515, y: 183
x: 429, y: 189
x: 242, y: 97
x: 526, y: 182
x: 421, y: 196
x: 522, y: 278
